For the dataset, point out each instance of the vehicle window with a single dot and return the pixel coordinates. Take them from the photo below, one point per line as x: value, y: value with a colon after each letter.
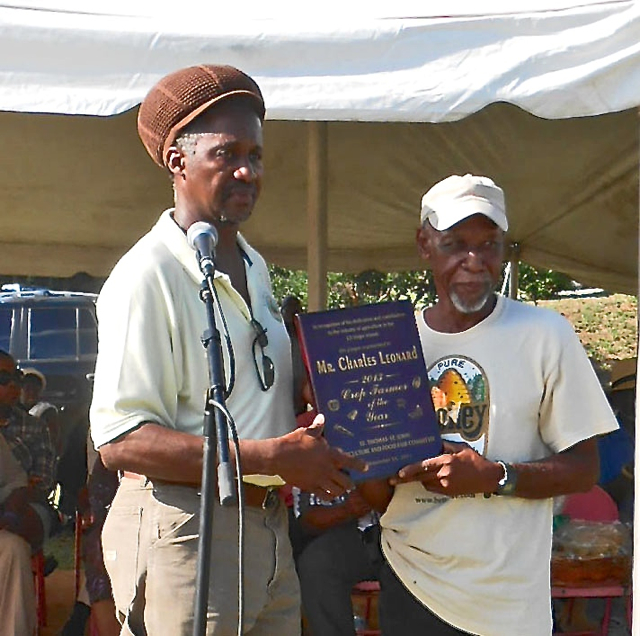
x: 52, y: 333
x: 5, y: 328
x: 88, y: 332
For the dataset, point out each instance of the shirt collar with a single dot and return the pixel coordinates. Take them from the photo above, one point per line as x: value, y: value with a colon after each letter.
x: 175, y: 239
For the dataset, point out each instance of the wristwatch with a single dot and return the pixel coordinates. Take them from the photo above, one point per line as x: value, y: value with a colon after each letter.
x: 507, y: 485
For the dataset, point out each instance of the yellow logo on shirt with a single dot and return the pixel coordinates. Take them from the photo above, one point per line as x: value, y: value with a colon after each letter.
x: 460, y: 394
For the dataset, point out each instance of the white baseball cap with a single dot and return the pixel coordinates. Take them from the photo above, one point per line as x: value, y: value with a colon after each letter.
x: 38, y: 374
x: 456, y: 198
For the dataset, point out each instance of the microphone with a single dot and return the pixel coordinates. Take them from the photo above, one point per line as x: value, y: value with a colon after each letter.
x: 203, y: 238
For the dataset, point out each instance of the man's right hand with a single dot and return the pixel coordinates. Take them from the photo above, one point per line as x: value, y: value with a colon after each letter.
x: 304, y: 459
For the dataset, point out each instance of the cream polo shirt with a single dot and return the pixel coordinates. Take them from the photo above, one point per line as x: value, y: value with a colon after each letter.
x: 517, y: 387
x: 152, y: 366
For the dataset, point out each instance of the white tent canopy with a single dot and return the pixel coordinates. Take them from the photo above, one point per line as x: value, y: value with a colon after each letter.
x: 573, y: 60
x: 541, y: 100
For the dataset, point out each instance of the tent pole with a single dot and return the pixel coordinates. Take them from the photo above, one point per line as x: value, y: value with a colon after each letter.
x: 635, y: 627
x: 514, y: 259
x: 317, y: 215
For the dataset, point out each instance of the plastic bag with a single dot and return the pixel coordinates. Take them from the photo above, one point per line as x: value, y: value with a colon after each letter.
x: 591, y: 553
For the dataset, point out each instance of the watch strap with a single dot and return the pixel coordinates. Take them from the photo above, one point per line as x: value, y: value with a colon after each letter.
x: 507, y: 484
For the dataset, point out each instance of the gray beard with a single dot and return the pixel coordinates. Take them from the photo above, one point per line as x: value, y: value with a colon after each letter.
x: 465, y: 308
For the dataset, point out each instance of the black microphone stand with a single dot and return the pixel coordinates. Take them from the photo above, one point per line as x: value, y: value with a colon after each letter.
x: 215, y: 435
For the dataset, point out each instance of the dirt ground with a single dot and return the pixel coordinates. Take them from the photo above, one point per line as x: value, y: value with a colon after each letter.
x: 59, y: 586
x: 60, y: 600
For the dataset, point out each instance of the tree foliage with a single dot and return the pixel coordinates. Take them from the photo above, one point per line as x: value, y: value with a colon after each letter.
x: 348, y: 290
x: 288, y: 282
x: 541, y: 284
x: 371, y: 286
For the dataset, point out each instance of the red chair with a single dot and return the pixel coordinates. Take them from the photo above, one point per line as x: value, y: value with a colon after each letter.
x: 77, y: 567
x: 77, y: 554
x: 595, y: 505
x: 369, y: 590
x: 37, y: 565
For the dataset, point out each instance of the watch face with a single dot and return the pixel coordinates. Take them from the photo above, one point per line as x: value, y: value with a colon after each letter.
x: 507, y: 485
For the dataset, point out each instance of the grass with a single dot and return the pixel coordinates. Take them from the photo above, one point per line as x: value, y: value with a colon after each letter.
x: 61, y: 546
x: 607, y: 326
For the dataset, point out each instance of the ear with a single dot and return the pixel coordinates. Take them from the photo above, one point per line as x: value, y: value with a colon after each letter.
x: 175, y: 162
x: 423, y: 243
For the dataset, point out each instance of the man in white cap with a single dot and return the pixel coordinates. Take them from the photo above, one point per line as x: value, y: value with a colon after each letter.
x: 467, y: 534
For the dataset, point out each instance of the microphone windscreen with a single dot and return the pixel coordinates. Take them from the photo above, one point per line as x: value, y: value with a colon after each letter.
x: 201, y: 230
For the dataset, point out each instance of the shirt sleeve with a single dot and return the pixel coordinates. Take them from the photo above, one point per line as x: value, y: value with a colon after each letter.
x: 574, y: 406
x: 19, y: 450
x: 136, y: 369
x: 12, y: 476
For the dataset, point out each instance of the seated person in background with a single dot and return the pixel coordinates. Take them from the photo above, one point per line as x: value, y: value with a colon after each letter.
x: 21, y: 531
x: 26, y: 436
x: 68, y: 439
x: 617, y: 448
x: 33, y: 384
x: 289, y: 307
x: 342, y: 549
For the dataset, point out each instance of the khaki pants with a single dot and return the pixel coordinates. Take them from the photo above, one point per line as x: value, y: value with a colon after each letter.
x: 150, y: 544
x: 17, y: 592
x: 125, y: 544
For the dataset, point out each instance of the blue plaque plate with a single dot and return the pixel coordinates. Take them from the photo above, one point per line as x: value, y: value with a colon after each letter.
x: 369, y: 380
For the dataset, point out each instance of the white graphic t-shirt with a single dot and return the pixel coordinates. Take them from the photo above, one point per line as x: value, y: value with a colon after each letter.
x: 517, y: 387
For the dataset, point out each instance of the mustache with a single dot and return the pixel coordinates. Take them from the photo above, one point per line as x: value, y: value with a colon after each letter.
x: 240, y: 188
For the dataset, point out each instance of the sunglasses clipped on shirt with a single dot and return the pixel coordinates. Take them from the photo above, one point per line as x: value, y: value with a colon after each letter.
x: 7, y: 378
x: 264, y: 365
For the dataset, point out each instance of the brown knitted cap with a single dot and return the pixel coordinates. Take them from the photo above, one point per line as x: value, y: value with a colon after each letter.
x: 178, y: 98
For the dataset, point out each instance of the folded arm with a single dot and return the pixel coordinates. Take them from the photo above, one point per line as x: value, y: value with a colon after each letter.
x: 17, y: 516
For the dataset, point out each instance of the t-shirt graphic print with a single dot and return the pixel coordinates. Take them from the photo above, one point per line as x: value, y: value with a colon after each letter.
x: 460, y: 394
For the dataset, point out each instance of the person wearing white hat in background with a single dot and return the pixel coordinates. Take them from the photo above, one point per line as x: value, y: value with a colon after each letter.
x: 33, y: 384
x: 467, y: 534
